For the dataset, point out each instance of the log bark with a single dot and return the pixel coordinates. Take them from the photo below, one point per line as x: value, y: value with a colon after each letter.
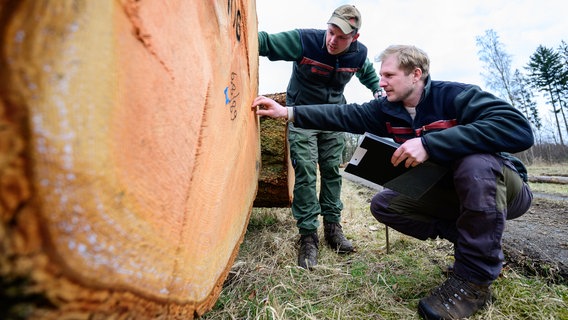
x: 129, y: 155
x: 276, y: 180
x: 549, y: 179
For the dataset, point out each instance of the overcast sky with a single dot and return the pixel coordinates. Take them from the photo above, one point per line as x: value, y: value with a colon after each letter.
x: 445, y: 29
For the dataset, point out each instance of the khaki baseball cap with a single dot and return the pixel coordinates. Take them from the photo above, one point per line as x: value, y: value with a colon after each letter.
x: 347, y: 18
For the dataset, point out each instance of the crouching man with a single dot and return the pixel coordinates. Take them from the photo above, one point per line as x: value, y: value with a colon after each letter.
x: 460, y: 126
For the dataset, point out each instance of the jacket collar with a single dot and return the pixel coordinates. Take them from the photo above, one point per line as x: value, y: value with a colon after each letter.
x: 427, y: 88
x: 396, y: 109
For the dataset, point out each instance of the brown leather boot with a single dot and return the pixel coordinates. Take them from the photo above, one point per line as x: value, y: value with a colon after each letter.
x: 308, y: 253
x: 334, y: 237
x: 456, y: 298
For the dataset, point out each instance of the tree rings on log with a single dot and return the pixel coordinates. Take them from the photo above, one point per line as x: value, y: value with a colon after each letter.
x: 129, y: 154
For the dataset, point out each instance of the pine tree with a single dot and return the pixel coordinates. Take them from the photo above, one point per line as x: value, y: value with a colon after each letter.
x: 547, y: 74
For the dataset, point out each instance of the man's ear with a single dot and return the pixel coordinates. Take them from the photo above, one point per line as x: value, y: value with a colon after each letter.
x: 417, y: 74
x: 355, y: 37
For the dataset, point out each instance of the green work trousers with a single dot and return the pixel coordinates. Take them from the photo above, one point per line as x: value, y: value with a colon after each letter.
x: 308, y: 149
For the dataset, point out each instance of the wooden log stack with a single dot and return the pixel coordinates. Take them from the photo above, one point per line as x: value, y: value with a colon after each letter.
x: 129, y: 155
x: 276, y: 181
x: 548, y: 179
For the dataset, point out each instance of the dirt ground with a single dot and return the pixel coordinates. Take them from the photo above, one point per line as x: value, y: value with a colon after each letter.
x: 538, y: 240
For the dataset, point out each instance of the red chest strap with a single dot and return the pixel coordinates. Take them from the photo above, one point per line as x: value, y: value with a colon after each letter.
x: 398, y: 130
x: 436, y: 125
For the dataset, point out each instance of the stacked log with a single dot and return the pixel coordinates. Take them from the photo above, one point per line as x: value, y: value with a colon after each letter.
x: 129, y: 156
x: 548, y: 179
x: 276, y: 180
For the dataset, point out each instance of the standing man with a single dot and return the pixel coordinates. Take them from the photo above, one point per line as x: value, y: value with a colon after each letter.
x: 324, y: 62
x: 454, y: 124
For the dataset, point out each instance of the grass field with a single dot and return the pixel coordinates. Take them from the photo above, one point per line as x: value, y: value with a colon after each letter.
x: 265, y: 282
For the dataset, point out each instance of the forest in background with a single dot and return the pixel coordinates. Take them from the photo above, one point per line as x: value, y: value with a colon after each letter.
x: 539, y: 91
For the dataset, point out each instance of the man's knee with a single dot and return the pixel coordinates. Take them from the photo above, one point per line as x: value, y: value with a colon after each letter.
x: 330, y: 169
x: 377, y: 206
x: 477, y: 166
x: 478, y: 180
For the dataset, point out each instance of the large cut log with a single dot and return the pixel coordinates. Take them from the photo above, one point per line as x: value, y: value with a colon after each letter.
x: 276, y: 181
x: 129, y: 155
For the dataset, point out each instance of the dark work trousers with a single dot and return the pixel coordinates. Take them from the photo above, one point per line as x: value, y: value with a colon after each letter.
x: 310, y: 149
x: 470, y: 211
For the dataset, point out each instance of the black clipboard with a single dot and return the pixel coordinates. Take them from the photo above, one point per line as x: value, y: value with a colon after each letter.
x: 372, y: 162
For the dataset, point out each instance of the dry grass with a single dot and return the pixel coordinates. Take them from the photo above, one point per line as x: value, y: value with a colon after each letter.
x: 549, y: 188
x: 542, y: 169
x: 265, y: 282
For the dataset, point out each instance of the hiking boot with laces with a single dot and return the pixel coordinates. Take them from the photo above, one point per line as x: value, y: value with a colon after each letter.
x: 308, y: 253
x: 334, y: 237
x: 454, y: 299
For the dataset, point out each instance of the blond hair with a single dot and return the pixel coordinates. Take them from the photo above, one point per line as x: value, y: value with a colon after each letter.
x: 409, y: 57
